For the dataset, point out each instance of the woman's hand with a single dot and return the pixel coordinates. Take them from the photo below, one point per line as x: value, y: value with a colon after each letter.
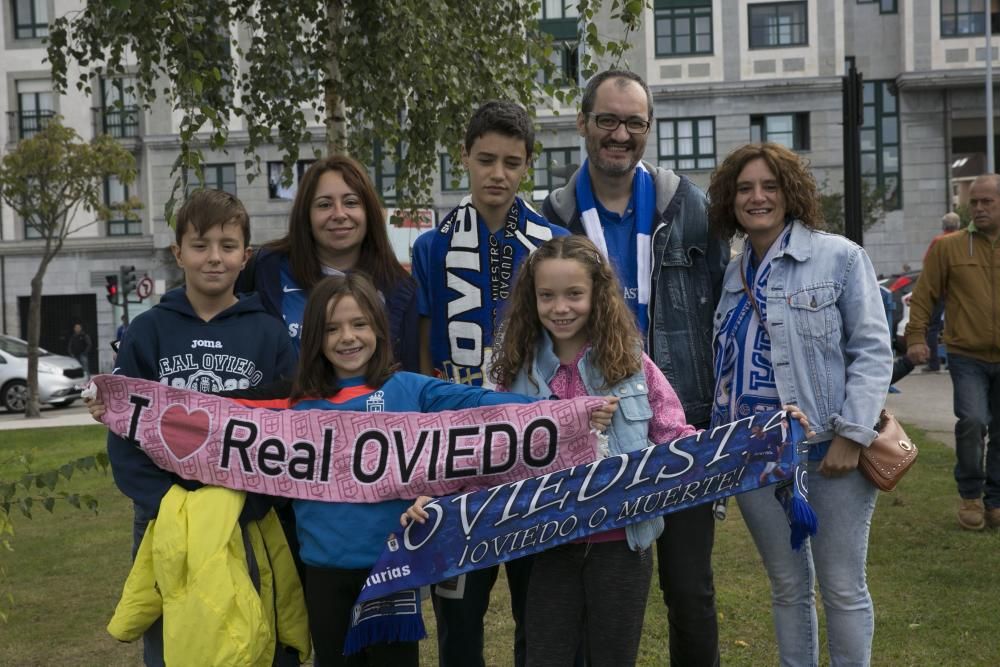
x: 841, y: 458
x: 96, y: 407
x: 795, y: 413
x: 600, y: 419
x: 415, y: 512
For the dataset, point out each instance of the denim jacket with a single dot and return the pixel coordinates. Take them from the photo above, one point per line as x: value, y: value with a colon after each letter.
x: 629, y: 429
x: 830, y: 346
x: 686, y: 284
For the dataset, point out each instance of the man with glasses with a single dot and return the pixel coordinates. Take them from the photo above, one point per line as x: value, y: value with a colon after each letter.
x: 651, y: 224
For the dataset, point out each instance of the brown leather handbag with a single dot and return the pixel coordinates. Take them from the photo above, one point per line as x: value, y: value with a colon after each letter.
x: 889, y: 456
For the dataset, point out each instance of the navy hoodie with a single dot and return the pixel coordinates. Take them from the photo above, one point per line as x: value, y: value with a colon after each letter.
x: 241, y: 347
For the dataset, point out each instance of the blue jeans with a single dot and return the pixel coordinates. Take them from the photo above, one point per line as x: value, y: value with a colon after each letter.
x: 977, y: 406
x: 835, y: 557
x: 84, y: 361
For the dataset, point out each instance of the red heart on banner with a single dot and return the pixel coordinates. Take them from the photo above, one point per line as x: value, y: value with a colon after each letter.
x: 184, y: 432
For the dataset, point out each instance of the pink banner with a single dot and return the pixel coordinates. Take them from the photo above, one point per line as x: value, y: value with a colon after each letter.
x: 341, y: 456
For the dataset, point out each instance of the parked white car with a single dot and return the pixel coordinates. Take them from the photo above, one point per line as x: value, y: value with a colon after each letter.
x: 60, y: 379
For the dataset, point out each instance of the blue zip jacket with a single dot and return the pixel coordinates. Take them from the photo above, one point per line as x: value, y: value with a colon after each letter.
x: 268, y: 274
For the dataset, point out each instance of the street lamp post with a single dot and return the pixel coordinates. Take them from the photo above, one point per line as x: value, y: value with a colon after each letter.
x: 989, y: 89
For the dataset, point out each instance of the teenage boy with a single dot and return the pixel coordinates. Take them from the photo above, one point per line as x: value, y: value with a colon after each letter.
x: 651, y: 223
x: 196, y: 338
x: 465, y: 268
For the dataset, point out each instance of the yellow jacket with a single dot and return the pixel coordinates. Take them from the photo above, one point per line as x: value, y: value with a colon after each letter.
x: 965, y: 266
x: 191, y: 568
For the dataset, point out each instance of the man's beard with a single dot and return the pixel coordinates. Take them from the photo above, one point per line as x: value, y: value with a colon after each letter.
x: 613, y: 168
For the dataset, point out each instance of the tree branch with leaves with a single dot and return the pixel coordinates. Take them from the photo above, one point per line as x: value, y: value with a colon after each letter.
x: 47, y: 180
x: 403, y: 74
x: 38, y: 489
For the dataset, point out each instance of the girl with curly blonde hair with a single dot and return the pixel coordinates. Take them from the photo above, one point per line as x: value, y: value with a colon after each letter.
x: 568, y: 332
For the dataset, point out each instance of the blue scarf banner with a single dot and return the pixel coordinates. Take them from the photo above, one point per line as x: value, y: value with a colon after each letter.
x: 470, y: 531
x: 472, y: 271
x: 644, y: 201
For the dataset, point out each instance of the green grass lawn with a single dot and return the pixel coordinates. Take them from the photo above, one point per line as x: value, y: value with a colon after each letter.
x: 936, y: 588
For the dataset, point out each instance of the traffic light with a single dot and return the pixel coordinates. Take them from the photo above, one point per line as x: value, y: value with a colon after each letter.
x: 128, y: 279
x: 111, y: 287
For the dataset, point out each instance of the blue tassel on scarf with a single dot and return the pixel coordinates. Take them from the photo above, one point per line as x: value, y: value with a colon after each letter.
x: 395, y: 618
x: 794, y: 498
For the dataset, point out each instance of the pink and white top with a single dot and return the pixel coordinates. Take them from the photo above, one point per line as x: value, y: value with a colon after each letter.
x: 668, y: 421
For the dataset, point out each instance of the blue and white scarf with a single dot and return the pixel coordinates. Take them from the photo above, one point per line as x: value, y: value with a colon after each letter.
x: 745, y: 384
x: 474, y: 530
x: 472, y: 274
x: 644, y: 201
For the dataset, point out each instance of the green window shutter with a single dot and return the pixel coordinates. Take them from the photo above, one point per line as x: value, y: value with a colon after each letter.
x: 675, y: 4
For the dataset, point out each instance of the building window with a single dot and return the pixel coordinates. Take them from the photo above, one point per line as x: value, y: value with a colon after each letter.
x: 559, y: 18
x: 384, y: 171
x: 683, y: 27
x: 219, y: 176
x: 119, y: 108
x: 880, y: 162
x: 778, y: 24
x: 34, y: 109
x: 552, y: 168
x: 960, y: 18
x: 31, y: 19
x: 276, y: 188
x: 116, y: 192
x: 686, y: 143
x: 790, y: 130
x: 887, y: 7
x: 453, y: 178
x: 31, y: 231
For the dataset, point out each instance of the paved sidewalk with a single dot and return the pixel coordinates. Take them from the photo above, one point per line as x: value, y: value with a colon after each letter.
x: 72, y: 416
x: 925, y: 400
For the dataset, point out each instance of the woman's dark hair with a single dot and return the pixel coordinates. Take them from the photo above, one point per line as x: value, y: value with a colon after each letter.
x: 377, y: 258
x: 316, y: 377
x: 611, y: 327
x: 794, y: 178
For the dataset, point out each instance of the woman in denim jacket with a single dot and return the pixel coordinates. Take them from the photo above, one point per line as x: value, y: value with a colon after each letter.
x: 801, y: 321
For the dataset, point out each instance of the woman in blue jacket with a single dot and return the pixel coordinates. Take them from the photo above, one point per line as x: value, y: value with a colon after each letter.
x: 801, y: 321
x: 336, y: 226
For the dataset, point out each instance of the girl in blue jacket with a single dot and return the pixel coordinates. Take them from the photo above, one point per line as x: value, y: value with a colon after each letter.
x: 346, y: 363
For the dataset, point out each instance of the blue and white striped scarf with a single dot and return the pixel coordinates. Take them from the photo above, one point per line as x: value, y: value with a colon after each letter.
x: 644, y: 200
x: 744, y: 378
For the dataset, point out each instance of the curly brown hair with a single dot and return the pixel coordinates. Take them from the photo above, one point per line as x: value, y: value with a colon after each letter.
x: 794, y: 178
x: 316, y: 377
x: 611, y: 328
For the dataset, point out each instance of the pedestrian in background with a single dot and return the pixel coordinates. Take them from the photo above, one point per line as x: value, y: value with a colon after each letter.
x: 966, y: 266
x: 122, y: 328
x: 949, y: 225
x: 79, y: 346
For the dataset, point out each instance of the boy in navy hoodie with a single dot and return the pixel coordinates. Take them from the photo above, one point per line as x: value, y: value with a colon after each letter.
x: 201, y: 337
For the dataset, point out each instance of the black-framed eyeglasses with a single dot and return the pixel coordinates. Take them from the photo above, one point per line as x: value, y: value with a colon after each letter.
x: 610, y: 122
